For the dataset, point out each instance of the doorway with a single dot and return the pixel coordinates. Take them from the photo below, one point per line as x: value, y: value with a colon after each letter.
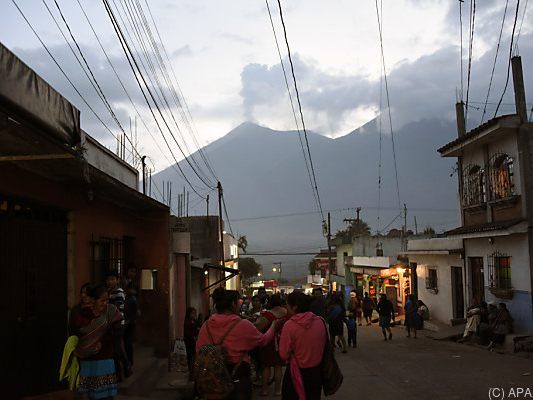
x: 33, y: 257
x: 457, y: 293
x: 476, y: 278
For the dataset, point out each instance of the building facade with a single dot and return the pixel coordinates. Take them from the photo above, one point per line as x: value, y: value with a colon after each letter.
x: 496, y: 190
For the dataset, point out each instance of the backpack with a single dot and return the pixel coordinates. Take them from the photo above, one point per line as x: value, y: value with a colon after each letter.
x: 213, y: 379
x: 329, y: 369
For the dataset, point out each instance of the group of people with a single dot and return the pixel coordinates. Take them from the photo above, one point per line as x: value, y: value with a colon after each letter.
x: 99, y: 351
x: 265, y: 333
x: 489, y: 323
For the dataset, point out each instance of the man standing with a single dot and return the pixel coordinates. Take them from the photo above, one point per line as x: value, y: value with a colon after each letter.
x: 386, y: 314
x: 318, y: 304
x: 118, y: 299
x: 368, y: 308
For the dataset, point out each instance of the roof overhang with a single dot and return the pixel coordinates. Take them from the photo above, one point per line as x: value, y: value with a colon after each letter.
x: 500, y: 126
x: 512, y: 229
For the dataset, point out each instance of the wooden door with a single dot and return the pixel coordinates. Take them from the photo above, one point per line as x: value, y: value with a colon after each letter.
x: 33, y: 301
x: 457, y: 292
x: 476, y: 278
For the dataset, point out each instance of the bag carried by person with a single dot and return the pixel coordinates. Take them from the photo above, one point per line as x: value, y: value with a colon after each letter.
x: 213, y: 379
x: 331, y: 373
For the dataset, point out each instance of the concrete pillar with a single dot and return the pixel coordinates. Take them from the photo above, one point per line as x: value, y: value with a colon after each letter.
x: 519, y: 91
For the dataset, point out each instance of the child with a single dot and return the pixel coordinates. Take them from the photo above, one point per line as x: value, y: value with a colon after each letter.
x: 352, y: 331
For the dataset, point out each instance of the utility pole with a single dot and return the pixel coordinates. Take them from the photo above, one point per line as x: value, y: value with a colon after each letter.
x: 187, y: 204
x: 220, y: 223
x: 416, y: 227
x: 278, y: 270
x: 143, y: 160
x: 329, y: 253
x: 350, y: 220
x: 207, y: 203
x: 404, y: 228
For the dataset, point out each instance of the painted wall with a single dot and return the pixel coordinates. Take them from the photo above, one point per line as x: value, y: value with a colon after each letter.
x: 515, y: 246
x: 440, y: 304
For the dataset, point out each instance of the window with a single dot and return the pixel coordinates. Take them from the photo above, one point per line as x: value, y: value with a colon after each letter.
x: 474, y: 185
x: 499, y: 271
x: 431, y: 279
x: 106, y: 255
x: 501, y: 176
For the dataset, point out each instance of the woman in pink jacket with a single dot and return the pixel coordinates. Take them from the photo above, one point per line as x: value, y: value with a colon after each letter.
x: 302, y: 344
x: 239, y: 341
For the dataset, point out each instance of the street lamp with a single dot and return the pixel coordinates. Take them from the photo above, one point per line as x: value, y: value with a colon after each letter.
x: 278, y: 270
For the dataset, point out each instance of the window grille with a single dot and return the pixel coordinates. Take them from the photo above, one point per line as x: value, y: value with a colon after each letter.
x: 431, y: 279
x: 499, y: 271
x: 501, y: 176
x: 106, y: 255
x: 474, y: 185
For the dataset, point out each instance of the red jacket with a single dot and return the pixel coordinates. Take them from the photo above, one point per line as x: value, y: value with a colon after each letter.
x: 304, y: 336
x: 243, y: 338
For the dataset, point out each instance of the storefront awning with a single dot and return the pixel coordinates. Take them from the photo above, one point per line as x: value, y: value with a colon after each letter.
x: 366, y: 270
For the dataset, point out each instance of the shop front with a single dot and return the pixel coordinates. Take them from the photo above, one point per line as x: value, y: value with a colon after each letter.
x: 395, y: 282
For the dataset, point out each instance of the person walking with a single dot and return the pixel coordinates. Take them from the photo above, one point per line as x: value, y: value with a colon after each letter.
x: 336, y: 317
x: 269, y: 354
x: 368, y: 308
x: 354, y: 306
x: 385, y: 310
x: 190, y: 334
x: 131, y: 313
x: 85, y: 302
x: 411, y: 315
x: 352, y: 331
x: 117, y: 298
x: 302, y: 344
x: 98, y: 329
x: 318, y: 303
x: 238, y: 336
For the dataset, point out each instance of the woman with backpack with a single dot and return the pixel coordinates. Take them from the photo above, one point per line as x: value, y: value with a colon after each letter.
x: 224, y: 341
x: 269, y: 354
x: 302, y: 344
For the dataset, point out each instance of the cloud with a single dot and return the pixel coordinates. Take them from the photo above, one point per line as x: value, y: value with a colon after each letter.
x: 183, y: 51
x: 423, y: 88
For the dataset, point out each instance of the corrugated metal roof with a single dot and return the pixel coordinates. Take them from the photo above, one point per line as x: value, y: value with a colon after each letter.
x: 488, y: 227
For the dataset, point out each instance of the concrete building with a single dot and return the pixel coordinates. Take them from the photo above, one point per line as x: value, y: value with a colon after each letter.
x: 495, y: 163
x: 70, y: 212
x: 438, y: 267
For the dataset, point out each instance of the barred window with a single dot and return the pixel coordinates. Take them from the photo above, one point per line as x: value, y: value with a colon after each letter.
x: 499, y: 271
x: 474, y: 185
x: 501, y: 176
x: 431, y: 279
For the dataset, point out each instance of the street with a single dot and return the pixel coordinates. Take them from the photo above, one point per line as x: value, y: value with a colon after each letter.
x: 420, y: 368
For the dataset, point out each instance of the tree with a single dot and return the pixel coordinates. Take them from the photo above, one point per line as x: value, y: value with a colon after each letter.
x: 312, y: 267
x: 429, y: 231
x: 249, y: 267
x: 242, y: 243
x: 356, y: 228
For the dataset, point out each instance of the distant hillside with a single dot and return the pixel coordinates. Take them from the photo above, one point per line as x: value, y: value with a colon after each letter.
x: 264, y: 175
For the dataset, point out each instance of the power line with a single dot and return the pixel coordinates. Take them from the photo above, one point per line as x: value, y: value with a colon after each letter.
x: 520, y: 29
x: 92, y: 78
x: 200, y: 149
x: 62, y: 70
x: 461, y: 34
x: 510, y: 57
x: 495, y: 59
x: 147, y: 87
x: 136, y: 70
x: 388, y: 105
x: 123, y: 85
x: 378, y: 222
x: 226, y: 213
x: 302, y: 213
x: 470, y: 52
x: 135, y: 16
x: 300, y: 109
x: 292, y: 103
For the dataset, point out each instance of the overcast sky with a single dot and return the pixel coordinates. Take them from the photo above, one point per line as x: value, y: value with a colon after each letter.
x: 224, y: 55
